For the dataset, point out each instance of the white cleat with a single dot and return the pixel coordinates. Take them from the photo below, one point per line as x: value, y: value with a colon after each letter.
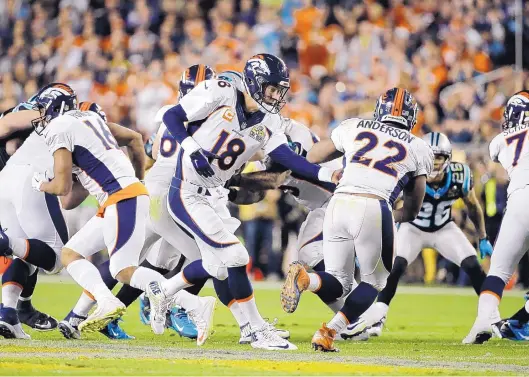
x: 159, y: 306
x: 376, y: 329
x: 267, y: 338
x: 15, y: 331
x: 350, y: 336
x: 107, y: 310
x: 246, y: 333
x: 480, y: 332
x: 202, y: 317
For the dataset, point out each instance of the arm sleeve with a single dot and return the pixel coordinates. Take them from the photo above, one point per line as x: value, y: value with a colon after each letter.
x: 174, y: 120
x: 60, y: 135
x: 286, y: 157
x: 494, y: 149
x: 336, y: 137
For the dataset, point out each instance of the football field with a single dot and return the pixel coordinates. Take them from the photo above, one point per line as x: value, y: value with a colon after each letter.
x: 423, y: 337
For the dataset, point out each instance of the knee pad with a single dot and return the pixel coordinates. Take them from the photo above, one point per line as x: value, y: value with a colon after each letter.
x: 311, y: 254
x: 117, y: 265
x: 238, y: 256
x: 218, y: 272
x: 345, y: 279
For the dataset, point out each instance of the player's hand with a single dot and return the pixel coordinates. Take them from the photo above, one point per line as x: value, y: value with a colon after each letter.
x: 336, y: 176
x: 485, y: 247
x: 201, y: 160
x: 38, y: 180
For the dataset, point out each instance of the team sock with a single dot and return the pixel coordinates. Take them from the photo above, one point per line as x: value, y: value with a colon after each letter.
x: 34, y: 252
x: 88, y: 277
x: 13, y: 282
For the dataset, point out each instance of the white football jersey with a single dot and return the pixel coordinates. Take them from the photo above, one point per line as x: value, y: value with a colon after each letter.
x: 510, y: 149
x: 219, y: 124
x: 163, y: 169
x: 312, y: 194
x: 98, y: 162
x: 33, y: 151
x: 380, y: 158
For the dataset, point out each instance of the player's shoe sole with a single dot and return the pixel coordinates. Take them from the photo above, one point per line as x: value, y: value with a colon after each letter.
x: 296, y: 282
x: 68, y: 331
x: 323, y: 340
x: 8, y: 331
x: 96, y: 324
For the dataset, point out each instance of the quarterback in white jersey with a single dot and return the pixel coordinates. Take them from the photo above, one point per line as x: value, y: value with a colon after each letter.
x: 382, y: 159
x: 510, y: 148
x: 225, y: 128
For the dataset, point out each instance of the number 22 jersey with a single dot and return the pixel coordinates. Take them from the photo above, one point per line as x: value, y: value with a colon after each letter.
x: 380, y: 158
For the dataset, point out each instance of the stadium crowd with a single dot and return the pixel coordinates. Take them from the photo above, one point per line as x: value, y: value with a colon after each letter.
x: 128, y: 56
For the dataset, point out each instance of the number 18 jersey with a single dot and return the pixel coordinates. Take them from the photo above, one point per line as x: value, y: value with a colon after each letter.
x: 380, y: 158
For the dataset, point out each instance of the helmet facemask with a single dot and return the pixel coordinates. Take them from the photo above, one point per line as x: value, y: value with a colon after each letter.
x: 436, y: 172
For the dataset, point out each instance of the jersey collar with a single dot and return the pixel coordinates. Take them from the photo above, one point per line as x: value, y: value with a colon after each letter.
x: 247, y: 120
x: 436, y: 194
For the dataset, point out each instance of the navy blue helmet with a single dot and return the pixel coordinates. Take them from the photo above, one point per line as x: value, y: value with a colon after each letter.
x: 92, y: 106
x: 397, y: 106
x: 261, y: 72
x: 194, y: 75
x: 52, y: 101
x: 516, y: 111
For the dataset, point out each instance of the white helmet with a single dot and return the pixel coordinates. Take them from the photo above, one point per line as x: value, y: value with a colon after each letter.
x: 441, y: 146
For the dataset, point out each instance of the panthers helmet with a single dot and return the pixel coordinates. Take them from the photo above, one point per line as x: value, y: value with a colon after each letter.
x: 192, y: 76
x: 441, y: 146
x: 262, y: 71
x: 516, y: 111
x: 397, y: 106
x: 52, y: 101
x: 233, y: 77
x: 92, y: 106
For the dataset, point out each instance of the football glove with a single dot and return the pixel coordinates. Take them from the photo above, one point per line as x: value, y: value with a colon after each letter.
x: 201, y: 160
x: 485, y: 248
x: 38, y: 180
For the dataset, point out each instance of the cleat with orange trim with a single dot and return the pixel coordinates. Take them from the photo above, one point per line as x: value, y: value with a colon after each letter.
x: 323, y: 339
x: 296, y: 282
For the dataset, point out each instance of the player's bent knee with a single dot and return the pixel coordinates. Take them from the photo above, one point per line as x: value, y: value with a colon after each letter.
x: 470, y: 263
x: 57, y: 268
x: 68, y: 256
x: 121, y: 271
x: 238, y: 256
x: 345, y: 279
x: 218, y: 272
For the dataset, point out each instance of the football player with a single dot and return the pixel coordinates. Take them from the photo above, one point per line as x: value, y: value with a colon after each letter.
x: 382, y: 159
x: 225, y: 128
x: 510, y: 149
x: 34, y: 227
x: 434, y: 228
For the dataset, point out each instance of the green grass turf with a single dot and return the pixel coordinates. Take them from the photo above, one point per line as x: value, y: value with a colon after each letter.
x: 423, y: 337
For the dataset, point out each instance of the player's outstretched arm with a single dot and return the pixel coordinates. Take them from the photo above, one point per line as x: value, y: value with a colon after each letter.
x: 18, y: 121
x: 323, y: 151
x: 61, y: 184
x: 475, y: 212
x: 413, y: 197
x: 299, y: 165
x: 134, y: 143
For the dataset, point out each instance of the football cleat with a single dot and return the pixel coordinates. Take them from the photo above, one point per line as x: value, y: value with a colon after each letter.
x: 10, y: 326
x: 376, y: 329
x: 323, y: 339
x: 159, y: 306
x: 246, y: 333
x: 513, y: 330
x: 69, y: 326
x: 145, y: 310
x: 5, y: 251
x: 267, y: 338
x: 107, y: 310
x: 36, y: 320
x: 202, y: 317
x: 296, y: 282
x: 354, y: 330
x: 179, y: 321
x: 481, y: 331
x: 114, y: 331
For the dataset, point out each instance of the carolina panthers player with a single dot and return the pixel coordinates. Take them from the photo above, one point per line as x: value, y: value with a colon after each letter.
x: 225, y: 129
x: 35, y: 230
x: 382, y: 159
x: 510, y: 149
x: 435, y: 228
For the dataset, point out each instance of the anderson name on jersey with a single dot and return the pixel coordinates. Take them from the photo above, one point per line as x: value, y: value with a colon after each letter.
x: 510, y: 149
x: 436, y: 210
x: 380, y: 158
x: 99, y: 164
x: 218, y: 122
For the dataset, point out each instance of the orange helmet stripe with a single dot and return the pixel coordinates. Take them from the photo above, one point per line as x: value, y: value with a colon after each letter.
x: 64, y: 87
x: 397, y: 104
x: 201, y: 74
x: 524, y: 94
x: 85, y: 106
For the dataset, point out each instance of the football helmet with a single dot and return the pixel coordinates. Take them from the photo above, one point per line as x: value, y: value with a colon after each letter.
x: 516, y: 111
x: 192, y: 76
x: 52, y: 101
x: 92, y: 106
x: 397, y: 106
x: 262, y: 71
x: 441, y: 146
